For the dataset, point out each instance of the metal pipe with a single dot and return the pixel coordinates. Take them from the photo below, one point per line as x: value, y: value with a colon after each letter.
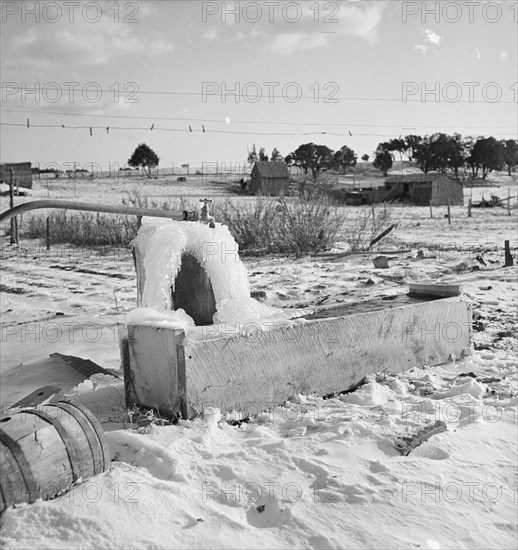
x: 108, y: 209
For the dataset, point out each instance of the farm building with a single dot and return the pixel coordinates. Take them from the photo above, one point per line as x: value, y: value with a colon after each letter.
x: 423, y: 189
x: 270, y: 178
x: 357, y: 195
x: 22, y: 174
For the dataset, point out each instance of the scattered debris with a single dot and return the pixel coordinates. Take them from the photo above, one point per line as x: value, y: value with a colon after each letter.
x: 381, y: 262
x: 407, y: 444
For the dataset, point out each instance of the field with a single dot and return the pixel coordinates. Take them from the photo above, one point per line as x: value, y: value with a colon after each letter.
x: 326, y: 467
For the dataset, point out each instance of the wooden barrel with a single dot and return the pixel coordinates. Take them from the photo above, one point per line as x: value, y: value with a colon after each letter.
x: 44, y: 450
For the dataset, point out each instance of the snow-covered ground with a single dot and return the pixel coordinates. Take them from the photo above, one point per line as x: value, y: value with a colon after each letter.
x: 311, y: 472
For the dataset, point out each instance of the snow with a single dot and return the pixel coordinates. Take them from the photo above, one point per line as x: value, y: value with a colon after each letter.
x: 307, y: 473
x: 312, y: 473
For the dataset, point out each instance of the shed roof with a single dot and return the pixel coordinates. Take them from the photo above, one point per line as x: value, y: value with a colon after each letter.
x: 415, y: 178
x: 268, y: 169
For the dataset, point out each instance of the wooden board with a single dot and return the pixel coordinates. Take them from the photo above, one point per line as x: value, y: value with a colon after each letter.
x: 431, y: 289
x: 323, y: 356
x: 152, y: 377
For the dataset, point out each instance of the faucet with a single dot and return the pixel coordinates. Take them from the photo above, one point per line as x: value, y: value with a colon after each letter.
x: 205, y: 217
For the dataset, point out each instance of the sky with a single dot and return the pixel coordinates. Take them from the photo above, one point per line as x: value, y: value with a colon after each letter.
x: 202, y: 82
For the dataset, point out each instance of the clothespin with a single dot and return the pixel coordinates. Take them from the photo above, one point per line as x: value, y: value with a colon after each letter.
x: 91, y: 130
x: 107, y: 129
x: 152, y: 126
x: 350, y: 133
x: 203, y: 128
x: 190, y: 129
x: 28, y: 124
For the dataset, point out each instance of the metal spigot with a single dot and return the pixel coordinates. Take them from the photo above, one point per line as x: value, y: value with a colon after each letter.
x: 205, y: 217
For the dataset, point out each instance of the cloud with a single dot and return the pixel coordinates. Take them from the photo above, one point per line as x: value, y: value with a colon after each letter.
x: 83, y: 44
x: 210, y: 35
x: 287, y: 43
x: 316, y: 26
x: 360, y: 21
x: 430, y: 39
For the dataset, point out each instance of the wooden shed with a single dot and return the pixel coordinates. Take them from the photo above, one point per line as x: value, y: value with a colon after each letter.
x: 423, y: 189
x: 22, y: 174
x: 270, y: 178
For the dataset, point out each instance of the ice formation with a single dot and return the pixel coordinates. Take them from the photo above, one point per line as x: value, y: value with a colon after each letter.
x: 161, y: 245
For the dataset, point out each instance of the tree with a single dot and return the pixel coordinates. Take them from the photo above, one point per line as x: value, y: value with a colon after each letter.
x: 510, y: 154
x: 443, y: 152
x: 365, y: 157
x: 383, y: 158
x: 412, y: 144
x: 262, y: 154
x: 276, y: 156
x: 311, y: 157
x: 252, y: 156
x: 488, y: 154
x: 144, y: 157
x: 468, y: 143
x: 345, y: 157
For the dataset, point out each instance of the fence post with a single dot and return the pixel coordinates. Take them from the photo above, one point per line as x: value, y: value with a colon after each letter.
x: 470, y: 204
x: 48, y: 233
x: 431, y: 211
x: 509, y: 202
x: 14, y: 221
x: 449, y: 213
x: 508, y: 257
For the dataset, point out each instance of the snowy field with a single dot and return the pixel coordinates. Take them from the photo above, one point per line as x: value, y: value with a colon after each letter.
x: 308, y: 473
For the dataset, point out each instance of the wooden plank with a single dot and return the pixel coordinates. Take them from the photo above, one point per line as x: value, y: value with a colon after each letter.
x: 154, y: 367
x: 38, y: 397
x: 431, y: 289
x: 406, y: 445
x: 322, y: 356
x: 130, y: 395
x: 351, y: 308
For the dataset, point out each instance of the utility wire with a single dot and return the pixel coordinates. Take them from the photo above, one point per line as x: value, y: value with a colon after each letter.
x: 221, y: 121
x: 185, y: 130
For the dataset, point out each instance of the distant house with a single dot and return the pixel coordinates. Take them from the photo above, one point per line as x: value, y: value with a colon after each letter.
x: 22, y: 174
x: 270, y: 178
x: 423, y: 189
